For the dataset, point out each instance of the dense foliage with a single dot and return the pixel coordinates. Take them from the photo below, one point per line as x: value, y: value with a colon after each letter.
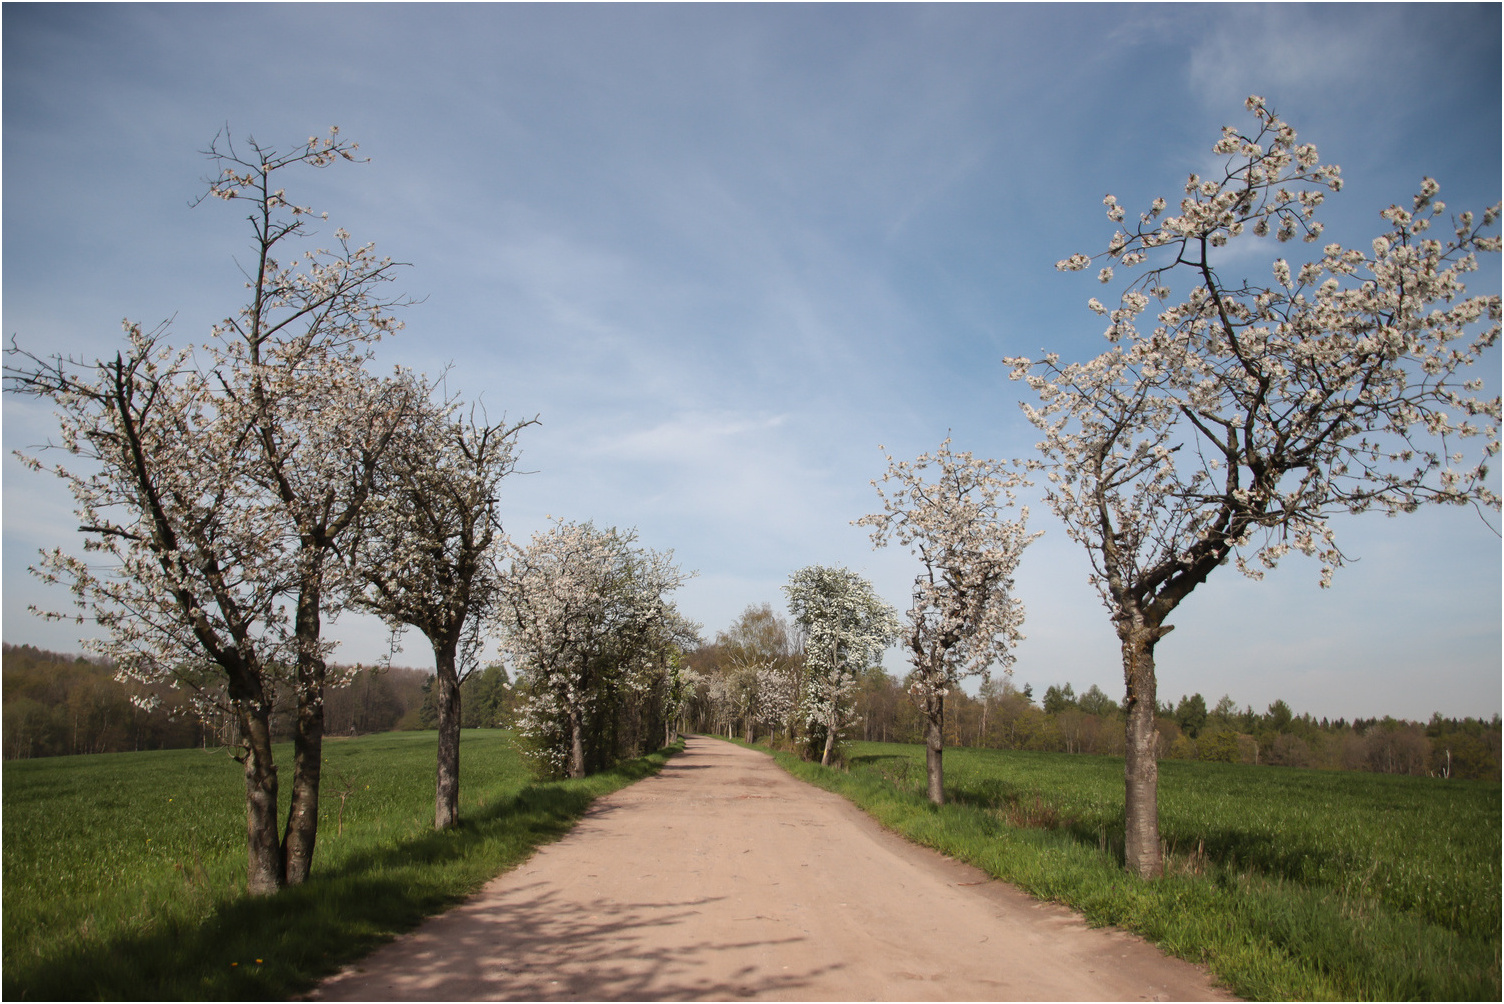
x: 585, y: 618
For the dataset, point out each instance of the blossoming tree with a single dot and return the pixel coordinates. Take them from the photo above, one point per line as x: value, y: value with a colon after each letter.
x: 426, y: 555
x: 218, y: 485
x: 1251, y: 413
x: 582, y: 609
x: 757, y: 655
x: 847, y: 627
x: 965, y: 618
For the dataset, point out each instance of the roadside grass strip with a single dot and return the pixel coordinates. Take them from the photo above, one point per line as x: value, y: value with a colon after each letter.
x: 124, y: 874
x: 1287, y: 884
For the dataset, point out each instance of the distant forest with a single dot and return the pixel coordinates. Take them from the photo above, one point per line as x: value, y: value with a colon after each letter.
x: 60, y: 704
x: 1001, y: 716
x: 55, y: 705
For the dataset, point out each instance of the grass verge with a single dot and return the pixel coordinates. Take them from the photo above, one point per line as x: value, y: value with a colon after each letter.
x: 1276, y: 895
x: 124, y: 873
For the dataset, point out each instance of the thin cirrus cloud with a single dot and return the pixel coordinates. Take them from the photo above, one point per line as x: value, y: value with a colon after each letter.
x: 723, y: 251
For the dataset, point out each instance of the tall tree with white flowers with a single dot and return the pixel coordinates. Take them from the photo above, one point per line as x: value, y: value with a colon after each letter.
x: 427, y: 551
x: 1251, y: 413
x: 949, y: 509
x: 847, y: 628
x: 219, y: 484
x: 582, y: 609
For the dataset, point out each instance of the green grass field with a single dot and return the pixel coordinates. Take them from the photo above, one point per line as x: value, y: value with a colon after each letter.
x: 1288, y: 884
x: 124, y: 873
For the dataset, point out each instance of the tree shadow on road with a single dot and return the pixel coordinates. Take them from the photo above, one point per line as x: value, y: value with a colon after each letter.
x: 534, y: 944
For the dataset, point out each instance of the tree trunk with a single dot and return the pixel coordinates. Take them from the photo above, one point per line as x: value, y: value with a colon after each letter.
x: 576, y: 744
x: 1141, y: 851
x: 830, y: 742
x: 308, y: 744
x: 446, y: 799
x: 934, y: 746
x: 303, y: 810
x: 264, y: 874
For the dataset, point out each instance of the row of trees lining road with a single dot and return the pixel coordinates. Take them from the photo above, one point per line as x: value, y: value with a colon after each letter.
x: 240, y: 491
x: 234, y: 494
x: 220, y: 483
x: 596, y: 643
x: 727, y: 697
x: 752, y: 674
x: 1253, y: 412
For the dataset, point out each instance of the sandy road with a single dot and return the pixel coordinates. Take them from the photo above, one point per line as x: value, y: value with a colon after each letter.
x: 724, y: 878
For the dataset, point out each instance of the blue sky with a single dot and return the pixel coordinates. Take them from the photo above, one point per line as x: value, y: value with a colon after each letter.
x: 724, y: 251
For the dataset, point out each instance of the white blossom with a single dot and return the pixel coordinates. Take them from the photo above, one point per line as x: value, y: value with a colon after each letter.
x: 1242, y: 418
x: 964, y: 619
x: 582, y: 607
x: 847, y: 628
x: 215, y: 488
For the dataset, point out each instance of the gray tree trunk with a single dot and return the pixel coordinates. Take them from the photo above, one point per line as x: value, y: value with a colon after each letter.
x: 308, y: 741
x: 1141, y: 851
x: 934, y: 746
x: 264, y: 873
x: 830, y: 742
x: 446, y: 799
x: 576, y: 744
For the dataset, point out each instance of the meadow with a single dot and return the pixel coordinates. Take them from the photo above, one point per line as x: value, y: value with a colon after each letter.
x: 124, y: 873
x: 1286, y: 883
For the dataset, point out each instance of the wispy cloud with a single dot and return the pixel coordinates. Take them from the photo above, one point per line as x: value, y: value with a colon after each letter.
x: 726, y: 250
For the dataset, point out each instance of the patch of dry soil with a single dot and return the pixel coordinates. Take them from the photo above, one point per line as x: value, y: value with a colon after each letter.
x: 723, y: 878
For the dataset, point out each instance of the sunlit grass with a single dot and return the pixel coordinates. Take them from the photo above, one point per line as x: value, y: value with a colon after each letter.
x: 1288, y: 884
x: 124, y: 873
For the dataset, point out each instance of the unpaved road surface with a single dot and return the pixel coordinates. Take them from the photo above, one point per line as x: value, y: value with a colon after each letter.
x: 723, y: 878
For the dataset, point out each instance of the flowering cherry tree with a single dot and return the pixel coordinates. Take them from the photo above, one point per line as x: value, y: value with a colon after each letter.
x: 217, y: 485
x: 426, y: 555
x: 677, y: 687
x: 1250, y: 413
x: 965, y: 618
x: 847, y: 627
x: 756, y: 653
x: 581, y: 610
x: 777, y: 695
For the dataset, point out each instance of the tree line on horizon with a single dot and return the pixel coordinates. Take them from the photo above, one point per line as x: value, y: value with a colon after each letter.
x: 1006, y: 717
x: 57, y: 705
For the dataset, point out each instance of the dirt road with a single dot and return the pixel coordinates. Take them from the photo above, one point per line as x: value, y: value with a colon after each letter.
x: 723, y: 878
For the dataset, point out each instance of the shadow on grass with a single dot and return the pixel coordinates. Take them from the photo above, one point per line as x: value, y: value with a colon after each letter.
x: 1227, y: 849
x: 274, y: 947
x: 1269, y: 938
